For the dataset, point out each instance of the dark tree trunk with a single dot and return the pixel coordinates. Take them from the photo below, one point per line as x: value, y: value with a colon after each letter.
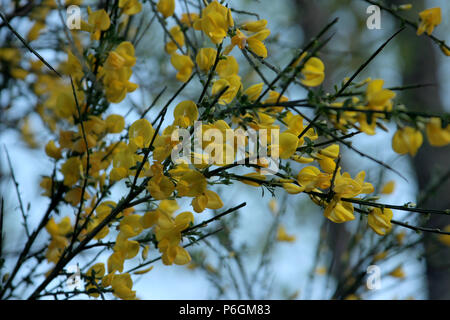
x: 420, y: 65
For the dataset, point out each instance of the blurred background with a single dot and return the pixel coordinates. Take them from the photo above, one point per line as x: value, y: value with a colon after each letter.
x: 246, y: 260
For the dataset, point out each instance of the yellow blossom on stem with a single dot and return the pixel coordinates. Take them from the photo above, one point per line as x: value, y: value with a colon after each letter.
x: 310, y: 177
x: 233, y: 85
x: 98, y: 21
x: 444, y: 238
x: 52, y: 150
x: 313, y: 71
x: 380, y: 220
x: 436, y: 134
x: 166, y: 7
x: 227, y: 66
x: 215, y: 21
x: 339, y: 211
x: 388, y: 188
x: 430, y: 18
x: 254, y: 26
x: 183, y: 64
x: 178, y: 36
x: 122, y: 285
x: 185, y: 114
x: 188, y: 19
x: 205, y: 58
x: 378, y: 97
x: 397, y: 273
x: 283, y: 236
x: 130, y: 7
x: 254, y: 91
x: 209, y: 199
x: 115, y: 123
x: 35, y: 31
x: 407, y: 140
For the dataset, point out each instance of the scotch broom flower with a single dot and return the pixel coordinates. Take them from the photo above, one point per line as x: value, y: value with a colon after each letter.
x: 183, y: 64
x: 407, y: 140
x: 380, y: 220
x: 430, y: 18
x: 215, y: 21
x: 437, y: 136
x: 166, y: 7
x: 130, y: 7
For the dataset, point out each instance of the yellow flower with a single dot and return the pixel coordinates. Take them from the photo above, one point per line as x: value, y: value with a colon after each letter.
x: 71, y: 170
x: 227, y: 66
x: 327, y: 157
x: 313, y: 71
x: 190, y: 183
x: 160, y: 187
x: 117, y: 85
x: 380, y: 220
x: 292, y: 188
x: 215, y: 21
x: 115, y: 123
x: 209, y: 199
x: 397, y: 272
x: 178, y: 36
x: 253, y: 176
x: 388, y: 188
x: 283, y: 236
x: 52, y: 151
x: 27, y: 134
x: 288, y: 145
x: 437, y: 136
x: 233, y: 83
x: 58, y: 233
x: 185, y: 113
x: 141, y: 133
x: 97, y: 21
x: 115, y: 262
x: 73, y: 196
x: 96, y: 273
x: 310, y: 177
x: 205, y: 58
x: 189, y: 19
x: 130, y: 226
x: 122, y: 56
x: 166, y: 7
x: 130, y: 7
x: 254, y: 42
x: 254, y: 26
x: 445, y: 239
x: 346, y: 187
x: 430, y: 18
x: 446, y: 50
x: 331, y: 151
x: 35, y: 30
x: 117, y: 72
x: 122, y: 285
x: 254, y: 91
x: 183, y: 64
x: 407, y: 140
x: 339, y: 211
x: 378, y: 97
